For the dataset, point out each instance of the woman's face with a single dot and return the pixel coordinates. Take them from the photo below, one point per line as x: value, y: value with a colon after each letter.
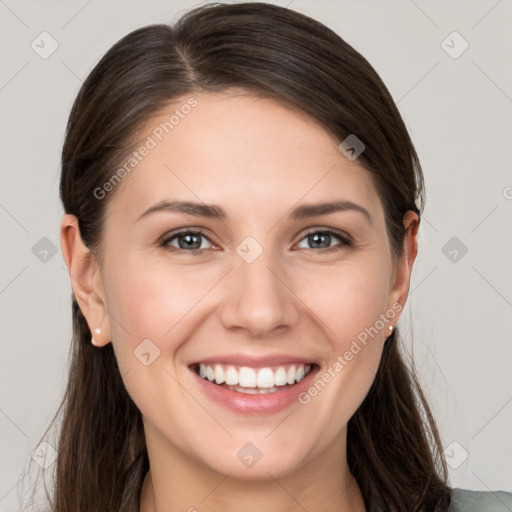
x: 263, y: 287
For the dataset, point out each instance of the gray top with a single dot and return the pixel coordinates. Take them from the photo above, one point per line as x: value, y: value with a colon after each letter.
x: 464, y: 500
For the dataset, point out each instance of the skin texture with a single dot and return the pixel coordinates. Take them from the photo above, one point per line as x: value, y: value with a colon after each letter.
x: 257, y: 159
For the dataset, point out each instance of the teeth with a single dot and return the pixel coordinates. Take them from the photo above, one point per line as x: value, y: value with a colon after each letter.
x: 280, y: 377
x: 247, y: 377
x: 253, y: 391
x: 231, y: 376
x: 290, y: 376
x: 219, y: 374
x: 251, y: 378
x: 265, y: 379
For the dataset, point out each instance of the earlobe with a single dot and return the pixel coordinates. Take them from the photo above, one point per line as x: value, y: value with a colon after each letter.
x: 86, y: 282
x: 94, y: 341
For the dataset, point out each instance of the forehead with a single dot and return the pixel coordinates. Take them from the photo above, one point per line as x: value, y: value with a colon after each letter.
x: 241, y: 150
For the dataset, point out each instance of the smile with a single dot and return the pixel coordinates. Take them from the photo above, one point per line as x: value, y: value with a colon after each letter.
x: 245, y: 379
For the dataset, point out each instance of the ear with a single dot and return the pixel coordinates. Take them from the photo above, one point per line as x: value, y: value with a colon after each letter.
x: 403, y: 265
x: 86, y: 280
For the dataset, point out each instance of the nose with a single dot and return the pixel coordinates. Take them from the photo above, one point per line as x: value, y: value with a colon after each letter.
x: 259, y: 298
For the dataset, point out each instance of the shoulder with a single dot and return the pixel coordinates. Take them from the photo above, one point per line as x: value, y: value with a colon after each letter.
x: 464, y: 500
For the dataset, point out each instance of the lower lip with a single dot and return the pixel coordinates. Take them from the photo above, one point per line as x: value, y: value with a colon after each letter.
x: 243, y: 403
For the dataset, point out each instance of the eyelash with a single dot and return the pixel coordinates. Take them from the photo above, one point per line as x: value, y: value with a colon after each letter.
x: 346, y: 241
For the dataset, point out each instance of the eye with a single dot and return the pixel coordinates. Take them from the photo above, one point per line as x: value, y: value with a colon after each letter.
x: 324, y: 238
x: 187, y: 240
x: 190, y: 241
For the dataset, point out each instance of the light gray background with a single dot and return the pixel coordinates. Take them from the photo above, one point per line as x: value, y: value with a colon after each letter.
x: 458, y: 111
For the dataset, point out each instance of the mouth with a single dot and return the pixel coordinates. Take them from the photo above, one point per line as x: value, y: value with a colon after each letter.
x: 253, y: 381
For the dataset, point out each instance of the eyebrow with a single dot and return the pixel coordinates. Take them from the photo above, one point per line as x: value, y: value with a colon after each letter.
x: 217, y: 212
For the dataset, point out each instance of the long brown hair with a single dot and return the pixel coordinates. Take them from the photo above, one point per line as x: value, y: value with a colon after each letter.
x: 394, y: 450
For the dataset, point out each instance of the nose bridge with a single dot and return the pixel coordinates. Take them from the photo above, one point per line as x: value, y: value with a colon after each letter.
x: 258, y: 299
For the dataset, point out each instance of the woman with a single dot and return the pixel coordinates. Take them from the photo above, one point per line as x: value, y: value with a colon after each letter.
x: 240, y: 230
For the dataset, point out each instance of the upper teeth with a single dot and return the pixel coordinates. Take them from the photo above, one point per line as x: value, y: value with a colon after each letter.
x: 254, y: 378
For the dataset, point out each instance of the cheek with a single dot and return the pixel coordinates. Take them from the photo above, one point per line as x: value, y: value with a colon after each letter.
x: 348, y: 298
x: 349, y: 303
x: 155, y: 310
x: 156, y: 302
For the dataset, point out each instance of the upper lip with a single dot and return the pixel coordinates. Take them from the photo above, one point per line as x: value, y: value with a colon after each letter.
x: 254, y: 361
